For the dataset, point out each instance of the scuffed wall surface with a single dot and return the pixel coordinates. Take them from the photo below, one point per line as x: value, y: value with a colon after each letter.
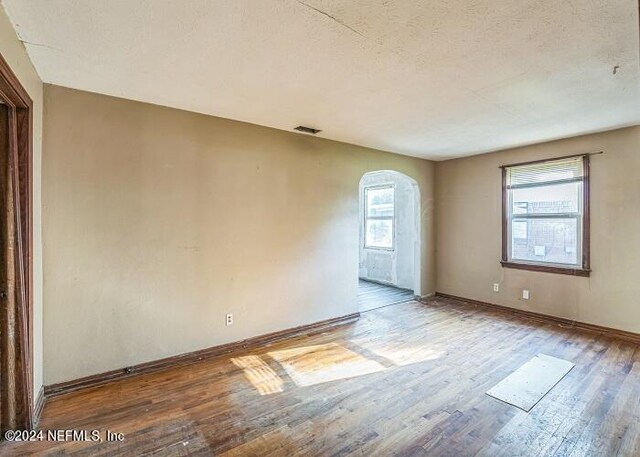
x: 157, y: 222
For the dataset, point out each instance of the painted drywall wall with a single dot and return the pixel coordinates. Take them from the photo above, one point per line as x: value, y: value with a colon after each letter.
x: 468, y: 195
x: 158, y: 221
x: 395, y: 267
x: 16, y: 56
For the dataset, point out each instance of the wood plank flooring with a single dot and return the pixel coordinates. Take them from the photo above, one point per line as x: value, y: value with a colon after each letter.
x: 372, y: 295
x: 408, y: 379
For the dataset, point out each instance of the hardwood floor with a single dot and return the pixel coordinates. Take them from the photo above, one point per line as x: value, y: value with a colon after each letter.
x: 408, y: 379
x: 372, y: 295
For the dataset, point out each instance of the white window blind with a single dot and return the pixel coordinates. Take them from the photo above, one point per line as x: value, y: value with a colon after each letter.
x: 558, y: 171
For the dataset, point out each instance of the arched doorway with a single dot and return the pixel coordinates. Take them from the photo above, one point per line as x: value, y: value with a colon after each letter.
x: 389, y: 241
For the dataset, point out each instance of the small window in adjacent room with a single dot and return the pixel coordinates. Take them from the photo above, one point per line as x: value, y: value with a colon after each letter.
x: 546, y: 216
x: 379, y: 217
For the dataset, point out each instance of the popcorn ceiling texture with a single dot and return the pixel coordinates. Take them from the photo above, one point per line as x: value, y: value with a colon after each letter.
x: 433, y: 79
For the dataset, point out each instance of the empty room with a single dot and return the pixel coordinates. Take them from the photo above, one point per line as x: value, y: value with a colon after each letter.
x: 320, y: 228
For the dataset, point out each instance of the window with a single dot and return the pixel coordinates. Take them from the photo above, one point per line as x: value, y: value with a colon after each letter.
x: 546, y: 216
x: 378, y: 217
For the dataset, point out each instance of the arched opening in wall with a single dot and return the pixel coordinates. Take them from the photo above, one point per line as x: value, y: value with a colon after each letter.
x: 389, y: 241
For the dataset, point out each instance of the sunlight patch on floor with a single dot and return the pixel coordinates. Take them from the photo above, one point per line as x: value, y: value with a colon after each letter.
x: 259, y: 374
x: 406, y: 355
x: 399, y: 350
x: 310, y: 365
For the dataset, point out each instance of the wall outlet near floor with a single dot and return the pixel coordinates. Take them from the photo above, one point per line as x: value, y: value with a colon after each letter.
x: 525, y: 294
x: 496, y: 287
x: 229, y: 319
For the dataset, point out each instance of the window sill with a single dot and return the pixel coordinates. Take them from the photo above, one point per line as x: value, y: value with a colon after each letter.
x: 369, y: 248
x: 546, y: 269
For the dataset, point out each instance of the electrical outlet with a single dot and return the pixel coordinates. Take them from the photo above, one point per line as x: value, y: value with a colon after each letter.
x: 496, y: 287
x: 229, y: 320
x: 525, y: 294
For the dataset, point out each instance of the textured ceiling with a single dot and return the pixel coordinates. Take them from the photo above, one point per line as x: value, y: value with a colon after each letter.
x: 433, y: 79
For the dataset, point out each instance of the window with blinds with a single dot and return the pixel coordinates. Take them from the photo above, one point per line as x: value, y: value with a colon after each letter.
x: 545, y: 222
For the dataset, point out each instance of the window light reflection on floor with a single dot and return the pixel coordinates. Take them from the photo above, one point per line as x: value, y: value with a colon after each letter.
x: 259, y: 374
x: 310, y: 365
x: 402, y: 355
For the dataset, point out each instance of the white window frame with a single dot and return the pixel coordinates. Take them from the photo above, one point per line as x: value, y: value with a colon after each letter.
x: 379, y: 218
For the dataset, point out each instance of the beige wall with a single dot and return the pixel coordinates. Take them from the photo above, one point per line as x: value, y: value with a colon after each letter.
x: 157, y: 222
x: 468, y: 213
x: 16, y: 56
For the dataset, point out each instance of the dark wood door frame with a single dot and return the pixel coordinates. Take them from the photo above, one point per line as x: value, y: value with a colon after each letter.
x: 16, y: 294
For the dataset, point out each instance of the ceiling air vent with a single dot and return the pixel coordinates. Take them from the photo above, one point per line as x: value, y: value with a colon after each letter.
x: 303, y: 129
